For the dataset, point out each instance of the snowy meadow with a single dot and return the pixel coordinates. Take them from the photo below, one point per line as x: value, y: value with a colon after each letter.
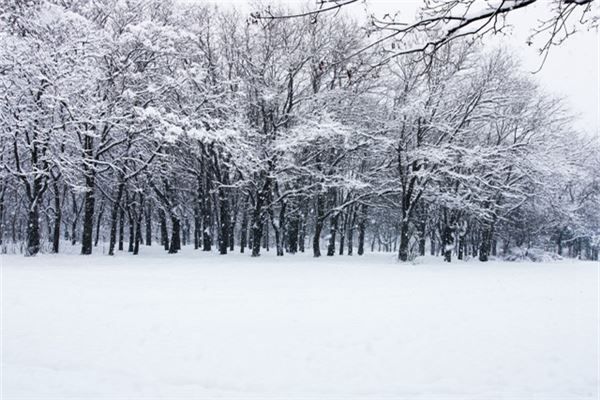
x: 206, y: 327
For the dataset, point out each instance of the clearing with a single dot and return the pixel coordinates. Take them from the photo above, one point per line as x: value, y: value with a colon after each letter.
x: 197, y: 325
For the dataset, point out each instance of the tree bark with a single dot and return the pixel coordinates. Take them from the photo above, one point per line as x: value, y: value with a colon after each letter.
x: 57, y: 221
x: 448, y: 242
x: 318, y: 226
x: 224, y: 218
x: 244, y: 230
x: 484, y: 248
x: 88, y: 216
x: 332, y: 233
x: 148, y: 220
x: 113, y: 219
x: 404, y: 241
x: 362, y: 224
x: 175, y: 245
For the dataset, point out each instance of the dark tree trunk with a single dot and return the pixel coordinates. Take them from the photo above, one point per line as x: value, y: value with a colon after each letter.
x: 206, y: 223
x: 224, y: 220
x: 461, y: 247
x: 197, y: 227
x: 266, y: 237
x: 2, y: 217
x: 138, y: 237
x: 302, y: 233
x: 293, y: 231
x: 484, y: 248
x: 88, y: 216
x: 233, y: 222
x: 559, y: 242
x: 362, y: 224
x: 113, y: 219
x: 138, y: 226
x: 131, y: 219
x: 257, y: 233
x: 448, y: 243
x: 404, y: 239
x: 148, y: 220
x: 257, y: 223
x: 89, y: 197
x: 318, y: 226
x: 57, y: 221
x: 121, y: 227
x: 175, y: 245
x: 422, y: 227
x: 343, y: 234
x: 244, y: 231
x: 33, y: 230
x: 75, y: 210
x: 332, y: 233
x: 350, y: 240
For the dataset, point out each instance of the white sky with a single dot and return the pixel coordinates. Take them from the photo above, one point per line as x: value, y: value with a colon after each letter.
x: 571, y: 69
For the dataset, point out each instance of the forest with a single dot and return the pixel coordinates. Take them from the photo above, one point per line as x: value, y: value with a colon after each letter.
x: 126, y: 124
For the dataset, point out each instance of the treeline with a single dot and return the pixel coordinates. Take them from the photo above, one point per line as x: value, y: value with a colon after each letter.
x: 146, y: 123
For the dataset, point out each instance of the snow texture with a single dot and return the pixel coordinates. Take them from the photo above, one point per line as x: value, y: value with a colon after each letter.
x: 196, y: 325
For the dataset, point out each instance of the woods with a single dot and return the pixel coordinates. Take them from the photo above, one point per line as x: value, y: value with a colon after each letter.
x: 172, y: 125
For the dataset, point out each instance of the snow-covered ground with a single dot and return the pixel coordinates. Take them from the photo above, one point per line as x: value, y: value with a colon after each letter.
x: 196, y: 325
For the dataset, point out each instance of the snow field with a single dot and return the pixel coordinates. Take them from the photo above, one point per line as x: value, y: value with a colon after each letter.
x: 203, y: 326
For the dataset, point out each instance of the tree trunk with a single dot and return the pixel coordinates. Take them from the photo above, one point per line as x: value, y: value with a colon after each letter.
x: 266, y: 237
x: 257, y: 223
x: 343, y: 234
x: 148, y: 220
x: 206, y: 223
x: 404, y: 239
x: 361, y: 229
x: 197, y: 227
x: 461, y: 247
x: 33, y: 230
x: 130, y: 215
x: 75, y: 210
x: 422, y: 228
x: 318, y: 226
x: 293, y: 231
x: 484, y: 248
x: 244, y: 231
x: 332, y: 233
x: 138, y: 226
x: 350, y: 240
x: 233, y: 221
x: 175, y: 245
x: 302, y: 233
x: 559, y: 243
x: 224, y: 218
x: 57, y: 221
x: 448, y: 242
x: 121, y: 226
x: 113, y: 219
x: 88, y: 216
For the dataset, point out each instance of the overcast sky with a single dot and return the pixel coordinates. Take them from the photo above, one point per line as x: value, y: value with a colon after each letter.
x: 571, y: 69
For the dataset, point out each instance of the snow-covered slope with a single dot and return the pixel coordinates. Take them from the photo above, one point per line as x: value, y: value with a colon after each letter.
x: 194, y: 325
